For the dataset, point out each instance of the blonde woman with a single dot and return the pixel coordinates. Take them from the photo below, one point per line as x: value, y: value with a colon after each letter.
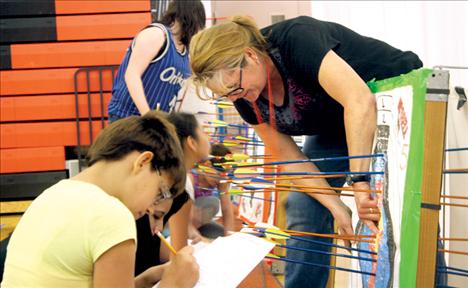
x: 304, y: 77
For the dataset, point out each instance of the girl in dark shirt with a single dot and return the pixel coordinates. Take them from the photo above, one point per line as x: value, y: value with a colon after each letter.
x: 148, y: 248
x: 195, y: 147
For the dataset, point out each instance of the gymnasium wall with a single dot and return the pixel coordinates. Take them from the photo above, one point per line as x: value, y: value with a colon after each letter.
x: 49, y: 53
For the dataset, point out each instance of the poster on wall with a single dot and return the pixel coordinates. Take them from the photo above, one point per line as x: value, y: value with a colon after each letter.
x: 399, y: 137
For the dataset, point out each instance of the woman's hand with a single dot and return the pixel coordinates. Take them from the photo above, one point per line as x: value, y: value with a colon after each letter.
x: 343, y: 220
x: 367, y: 208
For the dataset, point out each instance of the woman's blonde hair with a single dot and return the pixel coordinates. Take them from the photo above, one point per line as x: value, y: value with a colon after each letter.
x: 222, y: 47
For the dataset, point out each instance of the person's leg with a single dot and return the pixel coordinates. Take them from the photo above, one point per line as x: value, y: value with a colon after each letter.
x: 208, y: 207
x: 304, y: 213
x: 211, y: 230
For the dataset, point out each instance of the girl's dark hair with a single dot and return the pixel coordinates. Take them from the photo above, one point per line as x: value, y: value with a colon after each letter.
x: 185, y: 124
x: 150, y: 132
x: 190, y: 14
x: 220, y: 151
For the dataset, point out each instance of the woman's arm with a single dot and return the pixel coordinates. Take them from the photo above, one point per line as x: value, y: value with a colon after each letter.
x: 284, y: 148
x: 179, y: 226
x: 344, y: 85
x: 107, y: 274
x: 226, y: 207
x: 146, y: 47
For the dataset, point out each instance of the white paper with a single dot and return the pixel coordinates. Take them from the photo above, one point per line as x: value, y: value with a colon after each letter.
x: 228, y: 260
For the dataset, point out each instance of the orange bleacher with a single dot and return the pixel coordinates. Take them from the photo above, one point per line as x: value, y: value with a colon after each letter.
x: 87, y: 27
x: 49, y: 81
x: 32, y: 159
x: 50, y: 107
x: 84, y: 7
x: 44, y: 134
x: 68, y: 54
x: 44, y: 45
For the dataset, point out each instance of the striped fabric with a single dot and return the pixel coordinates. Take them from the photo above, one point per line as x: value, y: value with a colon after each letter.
x: 162, y: 80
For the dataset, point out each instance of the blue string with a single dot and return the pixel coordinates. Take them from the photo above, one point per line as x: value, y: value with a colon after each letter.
x: 326, y: 253
x: 338, y: 158
x: 316, y: 242
x: 253, y: 197
x: 194, y: 171
x: 452, y: 272
x: 320, y: 265
x: 231, y: 174
x: 456, y: 149
x: 452, y: 268
x: 455, y: 172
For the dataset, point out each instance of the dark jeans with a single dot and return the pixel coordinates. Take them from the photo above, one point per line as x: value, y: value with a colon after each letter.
x: 304, y: 213
x: 441, y: 278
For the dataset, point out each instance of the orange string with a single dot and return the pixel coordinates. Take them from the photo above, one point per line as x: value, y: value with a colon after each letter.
x: 453, y: 252
x: 453, y: 239
x: 455, y: 205
x: 454, y: 197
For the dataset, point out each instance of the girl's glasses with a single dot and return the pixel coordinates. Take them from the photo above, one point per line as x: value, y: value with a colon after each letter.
x: 164, y: 194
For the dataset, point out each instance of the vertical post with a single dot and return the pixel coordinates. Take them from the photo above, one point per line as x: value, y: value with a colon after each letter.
x: 222, y: 130
x: 88, y: 92
x: 280, y: 218
x: 101, y: 96
x: 434, y: 136
x: 77, y: 109
x: 332, y: 272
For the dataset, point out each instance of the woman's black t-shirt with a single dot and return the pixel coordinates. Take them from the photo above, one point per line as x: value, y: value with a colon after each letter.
x: 297, y: 47
x: 148, y: 245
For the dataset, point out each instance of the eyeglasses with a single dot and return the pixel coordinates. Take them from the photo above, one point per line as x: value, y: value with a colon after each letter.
x: 164, y: 194
x: 235, y: 91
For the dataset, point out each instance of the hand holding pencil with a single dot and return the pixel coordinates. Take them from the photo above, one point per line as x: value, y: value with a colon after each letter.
x: 183, y: 270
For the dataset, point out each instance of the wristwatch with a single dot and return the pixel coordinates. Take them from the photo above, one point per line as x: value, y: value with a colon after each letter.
x: 351, y: 179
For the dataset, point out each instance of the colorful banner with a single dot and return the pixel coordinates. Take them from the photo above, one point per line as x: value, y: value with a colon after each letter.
x: 400, y: 132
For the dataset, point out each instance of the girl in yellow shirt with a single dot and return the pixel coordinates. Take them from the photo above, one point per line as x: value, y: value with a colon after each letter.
x: 81, y: 231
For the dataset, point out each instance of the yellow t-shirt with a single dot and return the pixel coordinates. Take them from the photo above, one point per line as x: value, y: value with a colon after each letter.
x: 63, y: 233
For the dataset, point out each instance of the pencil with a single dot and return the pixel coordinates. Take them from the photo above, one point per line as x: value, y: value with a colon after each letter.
x: 168, y: 245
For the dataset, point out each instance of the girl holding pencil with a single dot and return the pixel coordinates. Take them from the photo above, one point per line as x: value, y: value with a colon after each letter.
x: 81, y: 231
